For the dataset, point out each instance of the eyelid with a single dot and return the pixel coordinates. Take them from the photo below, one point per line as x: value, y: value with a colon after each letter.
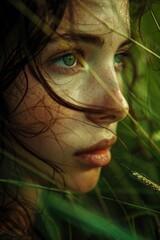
x: 124, y: 49
x: 56, y: 68
x: 119, y: 67
x: 77, y: 52
x: 125, y: 46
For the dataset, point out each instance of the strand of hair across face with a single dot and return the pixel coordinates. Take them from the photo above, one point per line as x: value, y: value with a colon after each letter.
x: 118, y: 32
x: 102, y: 83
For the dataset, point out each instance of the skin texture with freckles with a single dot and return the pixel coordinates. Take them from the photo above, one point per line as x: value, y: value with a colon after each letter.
x: 65, y: 131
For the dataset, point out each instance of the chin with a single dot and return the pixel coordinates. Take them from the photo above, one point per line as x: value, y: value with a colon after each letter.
x: 84, y: 182
x: 85, y: 189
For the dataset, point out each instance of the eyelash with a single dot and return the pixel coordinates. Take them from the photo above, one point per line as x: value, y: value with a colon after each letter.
x: 70, y: 70
x: 119, y: 67
x: 77, y: 67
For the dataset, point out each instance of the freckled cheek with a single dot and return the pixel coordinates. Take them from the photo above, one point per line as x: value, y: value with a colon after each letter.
x: 36, y: 110
x: 89, y: 92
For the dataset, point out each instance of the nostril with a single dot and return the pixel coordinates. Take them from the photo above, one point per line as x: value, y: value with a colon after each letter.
x: 109, y: 116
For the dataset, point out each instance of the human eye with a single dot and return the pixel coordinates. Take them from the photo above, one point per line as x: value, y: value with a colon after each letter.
x: 68, y: 63
x: 120, y: 60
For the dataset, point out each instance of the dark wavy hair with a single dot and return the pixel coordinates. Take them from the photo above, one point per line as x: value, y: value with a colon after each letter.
x: 26, y: 27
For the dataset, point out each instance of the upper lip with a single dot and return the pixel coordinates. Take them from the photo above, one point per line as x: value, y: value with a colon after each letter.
x: 102, y: 145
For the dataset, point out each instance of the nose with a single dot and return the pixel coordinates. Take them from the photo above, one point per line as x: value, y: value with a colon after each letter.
x: 115, y: 109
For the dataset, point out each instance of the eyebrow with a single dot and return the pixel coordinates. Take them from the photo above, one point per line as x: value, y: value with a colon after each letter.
x: 86, y: 38
x: 81, y: 37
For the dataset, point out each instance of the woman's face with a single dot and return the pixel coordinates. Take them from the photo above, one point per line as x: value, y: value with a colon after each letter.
x: 78, y: 142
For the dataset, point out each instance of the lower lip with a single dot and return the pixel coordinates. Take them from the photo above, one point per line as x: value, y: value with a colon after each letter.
x: 95, y: 159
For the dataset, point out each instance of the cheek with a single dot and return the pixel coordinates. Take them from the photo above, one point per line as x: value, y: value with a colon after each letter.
x: 30, y: 111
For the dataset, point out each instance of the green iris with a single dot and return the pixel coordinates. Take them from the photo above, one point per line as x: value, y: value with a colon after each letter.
x: 69, y: 60
x: 118, y: 58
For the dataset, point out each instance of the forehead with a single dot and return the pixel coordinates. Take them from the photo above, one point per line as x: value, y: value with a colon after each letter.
x: 95, y: 15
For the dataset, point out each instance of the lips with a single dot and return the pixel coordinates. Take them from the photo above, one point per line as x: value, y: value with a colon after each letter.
x: 97, y: 155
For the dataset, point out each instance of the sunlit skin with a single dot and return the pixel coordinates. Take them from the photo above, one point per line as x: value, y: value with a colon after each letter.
x: 68, y: 131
